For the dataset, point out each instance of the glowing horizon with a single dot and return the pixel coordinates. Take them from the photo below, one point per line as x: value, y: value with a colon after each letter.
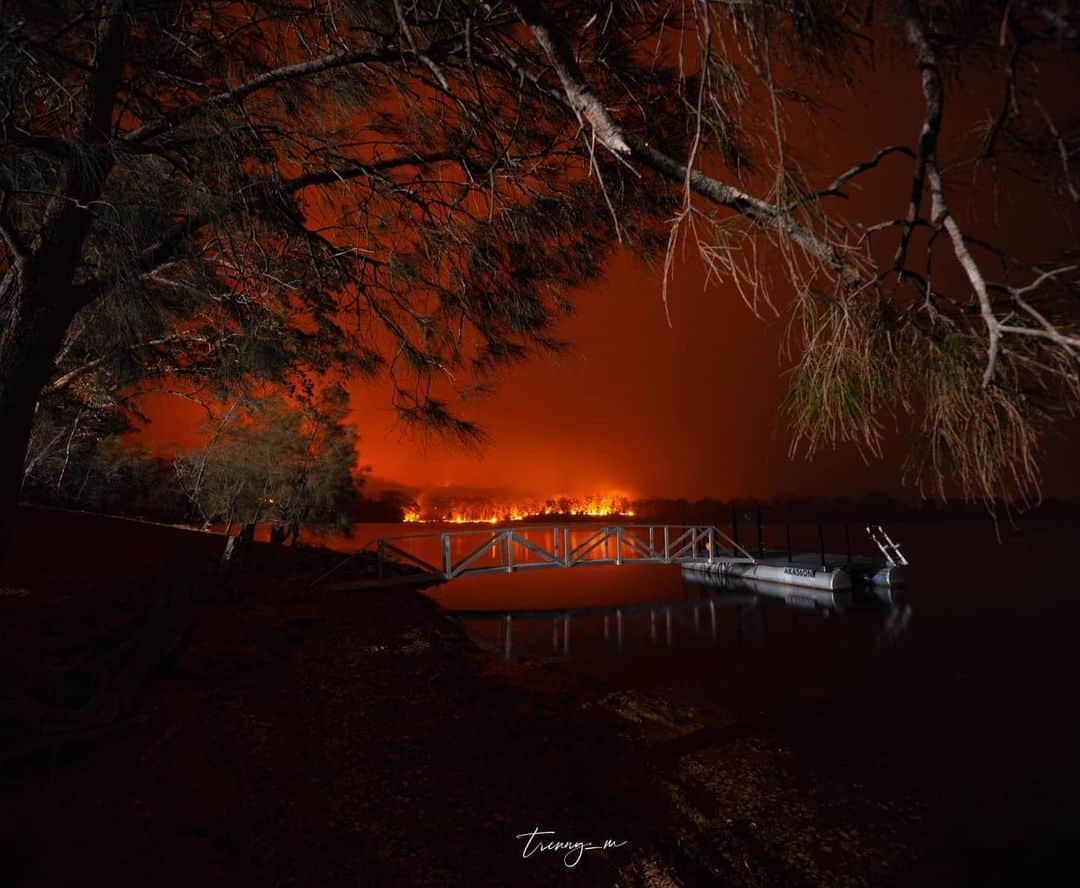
x: 486, y: 512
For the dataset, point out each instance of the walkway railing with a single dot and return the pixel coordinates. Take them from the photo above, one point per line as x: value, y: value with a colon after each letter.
x: 517, y: 548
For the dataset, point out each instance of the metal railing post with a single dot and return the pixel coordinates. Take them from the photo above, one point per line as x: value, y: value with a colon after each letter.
x: 618, y: 544
x: 508, y: 538
x: 667, y: 544
x: 566, y: 545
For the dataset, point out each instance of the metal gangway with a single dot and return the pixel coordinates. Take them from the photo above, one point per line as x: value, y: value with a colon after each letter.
x: 887, y: 546
x: 518, y: 548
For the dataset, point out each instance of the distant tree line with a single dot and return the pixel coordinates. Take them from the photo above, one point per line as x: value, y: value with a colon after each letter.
x: 874, y: 507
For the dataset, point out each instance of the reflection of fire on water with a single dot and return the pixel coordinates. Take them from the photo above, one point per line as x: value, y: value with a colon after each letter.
x: 493, y: 513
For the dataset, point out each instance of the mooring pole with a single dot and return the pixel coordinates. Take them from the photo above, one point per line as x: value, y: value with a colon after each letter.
x: 760, y: 544
x: 509, y: 631
x: 787, y: 538
x: 821, y: 543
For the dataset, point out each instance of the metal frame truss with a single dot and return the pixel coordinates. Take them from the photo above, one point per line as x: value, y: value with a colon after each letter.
x: 510, y: 549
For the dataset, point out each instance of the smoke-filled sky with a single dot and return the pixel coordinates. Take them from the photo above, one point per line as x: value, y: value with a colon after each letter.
x: 642, y: 408
x: 636, y: 406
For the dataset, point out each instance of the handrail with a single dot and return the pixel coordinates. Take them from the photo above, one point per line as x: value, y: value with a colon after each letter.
x: 518, y: 528
x: 681, y: 546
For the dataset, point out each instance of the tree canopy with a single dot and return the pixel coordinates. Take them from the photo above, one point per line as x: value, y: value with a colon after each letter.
x: 216, y: 194
x: 283, y: 464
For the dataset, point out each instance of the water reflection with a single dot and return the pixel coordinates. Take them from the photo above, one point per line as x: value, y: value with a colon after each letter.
x: 707, y: 604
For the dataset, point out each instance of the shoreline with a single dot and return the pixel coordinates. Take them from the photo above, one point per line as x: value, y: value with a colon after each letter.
x: 305, y: 738
x: 301, y: 737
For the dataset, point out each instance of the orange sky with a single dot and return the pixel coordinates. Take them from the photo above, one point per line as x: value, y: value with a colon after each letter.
x: 642, y: 409
x: 636, y: 406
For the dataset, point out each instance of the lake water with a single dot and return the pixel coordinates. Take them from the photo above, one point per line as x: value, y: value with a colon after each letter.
x: 960, y: 692
x: 965, y: 591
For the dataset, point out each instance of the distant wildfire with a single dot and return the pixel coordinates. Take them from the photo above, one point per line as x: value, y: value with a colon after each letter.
x: 473, y: 511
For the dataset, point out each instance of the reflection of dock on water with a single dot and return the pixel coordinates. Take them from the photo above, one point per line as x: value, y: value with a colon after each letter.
x: 717, y: 593
x: 699, y: 549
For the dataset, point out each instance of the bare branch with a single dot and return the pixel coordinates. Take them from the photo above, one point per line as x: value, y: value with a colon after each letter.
x: 586, y: 105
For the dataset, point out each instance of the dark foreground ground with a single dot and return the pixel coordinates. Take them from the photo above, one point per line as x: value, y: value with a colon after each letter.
x: 159, y: 728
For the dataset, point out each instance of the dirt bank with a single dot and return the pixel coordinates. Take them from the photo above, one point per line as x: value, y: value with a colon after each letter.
x: 295, y: 737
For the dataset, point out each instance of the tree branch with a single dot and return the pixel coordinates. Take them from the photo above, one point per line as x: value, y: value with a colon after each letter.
x: 761, y: 212
x: 17, y: 250
x: 934, y: 101
x: 15, y: 135
x: 259, y: 194
x: 857, y: 170
x: 584, y: 102
x: 285, y: 73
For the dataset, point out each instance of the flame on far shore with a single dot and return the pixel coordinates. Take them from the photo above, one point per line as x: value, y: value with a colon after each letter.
x: 476, y: 512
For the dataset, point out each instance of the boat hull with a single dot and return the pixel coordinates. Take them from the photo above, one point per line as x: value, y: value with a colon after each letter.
x: 830, y: 579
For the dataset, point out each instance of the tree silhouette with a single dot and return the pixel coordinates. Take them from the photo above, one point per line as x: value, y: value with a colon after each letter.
x: 283, y: 464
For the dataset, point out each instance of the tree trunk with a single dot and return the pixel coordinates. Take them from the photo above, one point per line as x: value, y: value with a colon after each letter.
x: 29, y: 345
x: 236, y: 551
x: 37, y: 291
